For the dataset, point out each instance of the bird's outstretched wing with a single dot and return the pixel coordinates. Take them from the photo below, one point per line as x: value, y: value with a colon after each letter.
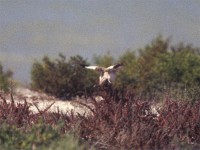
x: 114, y: 66
x: 96, y: 68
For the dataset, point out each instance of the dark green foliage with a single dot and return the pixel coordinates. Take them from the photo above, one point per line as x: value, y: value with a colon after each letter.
x: 4, y: 79
x: 182, y: 65
x: 62, y: 78
x: 128, y: 75
x: 160, y: 66
x: 149, y: 76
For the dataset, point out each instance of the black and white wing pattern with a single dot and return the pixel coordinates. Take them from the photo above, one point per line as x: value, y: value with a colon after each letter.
x: 114, y: 67
x: 106, y: 74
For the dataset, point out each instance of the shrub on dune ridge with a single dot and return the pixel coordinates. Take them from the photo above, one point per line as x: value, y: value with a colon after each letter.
x: 159, y: 66
x: 61, y: 78
x: 151, y: 69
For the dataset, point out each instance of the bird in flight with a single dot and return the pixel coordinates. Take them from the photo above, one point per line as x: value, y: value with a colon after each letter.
x: 106, y: 74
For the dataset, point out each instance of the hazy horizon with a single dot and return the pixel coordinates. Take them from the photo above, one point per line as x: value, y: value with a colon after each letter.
x: 31, y: 29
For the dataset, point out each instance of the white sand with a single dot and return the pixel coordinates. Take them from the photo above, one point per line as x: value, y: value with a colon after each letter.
x: 43, y: 101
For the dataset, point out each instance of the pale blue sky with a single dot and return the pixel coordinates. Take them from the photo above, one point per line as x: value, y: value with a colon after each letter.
x: 30, y: 29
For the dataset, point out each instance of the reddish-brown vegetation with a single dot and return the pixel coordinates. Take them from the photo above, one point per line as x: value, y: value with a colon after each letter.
x: 119, y: 122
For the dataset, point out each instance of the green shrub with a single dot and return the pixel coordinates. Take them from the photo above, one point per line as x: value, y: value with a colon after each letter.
x: 160, y: 66
x: 4, y: 79
x: 128, y: 75
x: 40, y: 136
x: 67, y: 142
x: 10, y: 137
x: 62, y: 78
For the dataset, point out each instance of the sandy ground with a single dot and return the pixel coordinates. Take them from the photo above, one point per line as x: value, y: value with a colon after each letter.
x: 42, y: 101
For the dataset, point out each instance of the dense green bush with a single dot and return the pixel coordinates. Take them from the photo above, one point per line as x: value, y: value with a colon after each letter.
x: 62, y: 78
x: 160, y: 66
x: 127, y: 76
x: 182, y: 65
x: 169, y: 66
x: 4, y: 79
x: 149, y: 77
